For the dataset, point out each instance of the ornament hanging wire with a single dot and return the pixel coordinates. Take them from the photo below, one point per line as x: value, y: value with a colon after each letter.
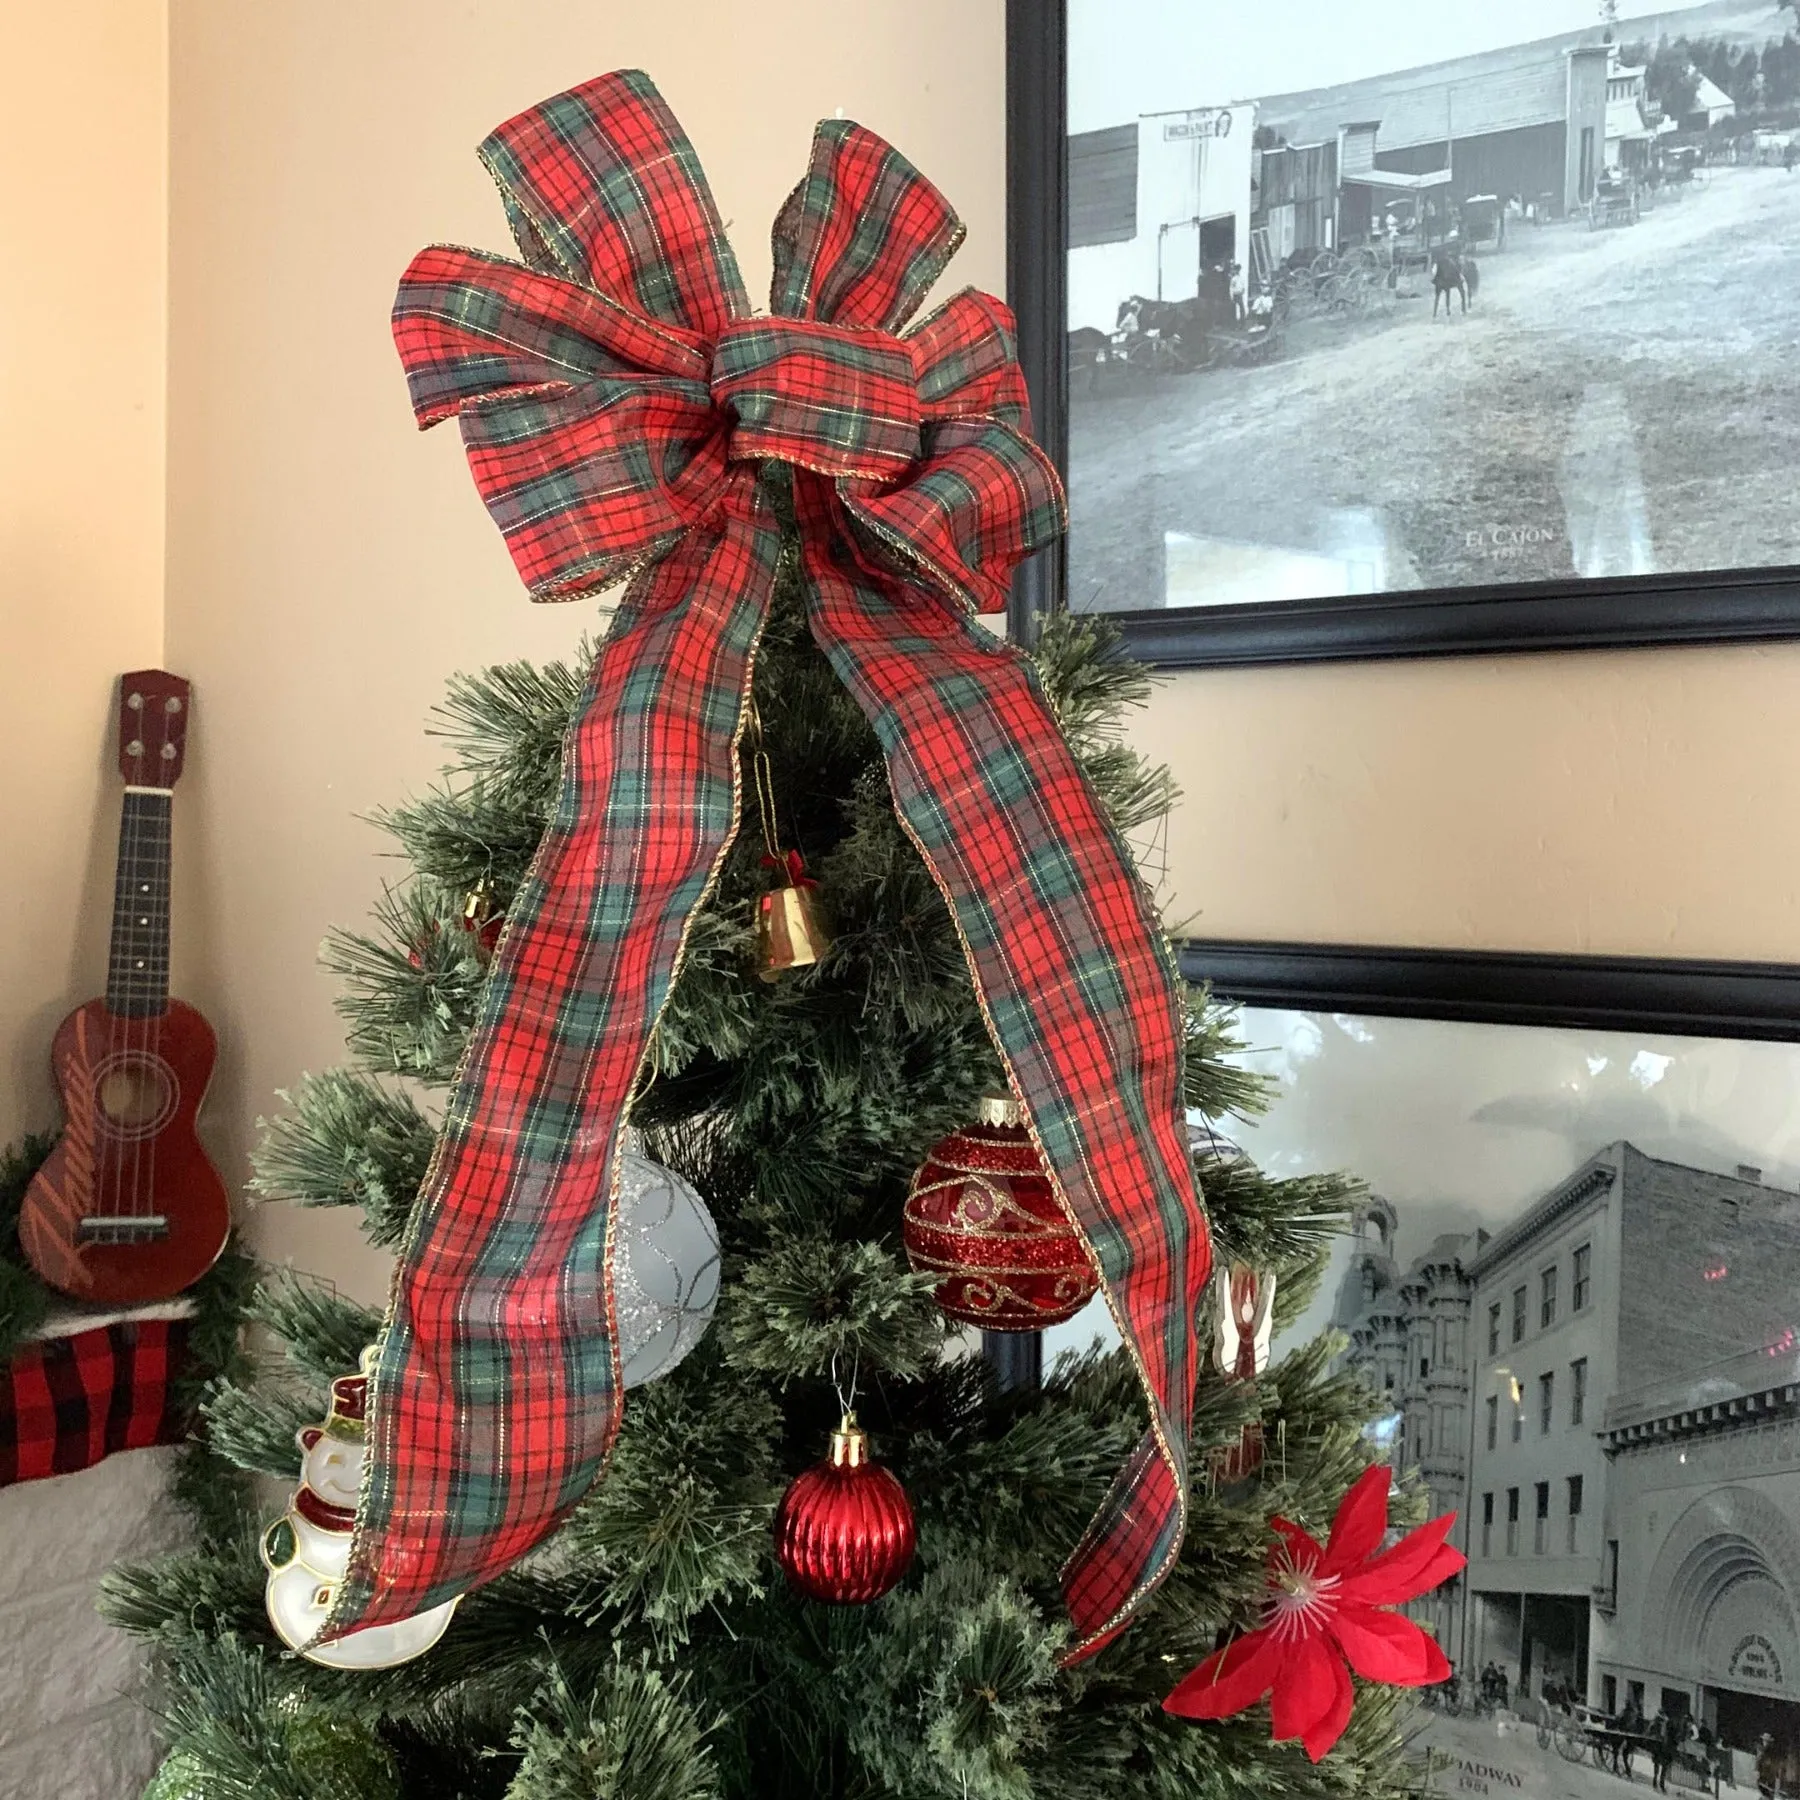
x: 846, y: 1402
x: 641, y: 1085
x: 764, y: 781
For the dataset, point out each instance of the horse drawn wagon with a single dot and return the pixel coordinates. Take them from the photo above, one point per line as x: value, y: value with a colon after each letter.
x: 1171, y: 337
x: 1614, y: 201
x: 1583, y: 1733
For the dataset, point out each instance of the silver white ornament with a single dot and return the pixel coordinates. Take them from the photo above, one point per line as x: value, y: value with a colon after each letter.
x: 1207, y: 1143
x: 665, y: 1269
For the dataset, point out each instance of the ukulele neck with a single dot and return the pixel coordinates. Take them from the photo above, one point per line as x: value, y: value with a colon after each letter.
x: 137, y: 972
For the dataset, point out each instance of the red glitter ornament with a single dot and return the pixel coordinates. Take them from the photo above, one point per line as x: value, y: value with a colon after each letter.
x: 982, y: 1213
x: 844, y: 1530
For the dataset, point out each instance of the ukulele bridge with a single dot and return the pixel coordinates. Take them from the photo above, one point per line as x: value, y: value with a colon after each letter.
x: 122, y: 1228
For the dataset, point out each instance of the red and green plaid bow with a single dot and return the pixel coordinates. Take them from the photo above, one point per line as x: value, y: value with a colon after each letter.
x: 618, y: 401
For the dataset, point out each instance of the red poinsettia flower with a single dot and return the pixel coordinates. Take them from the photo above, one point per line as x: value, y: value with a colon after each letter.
x: 1323, y: 1609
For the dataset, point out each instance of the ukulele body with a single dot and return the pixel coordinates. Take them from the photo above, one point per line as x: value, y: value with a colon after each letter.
x: 128, y: 1208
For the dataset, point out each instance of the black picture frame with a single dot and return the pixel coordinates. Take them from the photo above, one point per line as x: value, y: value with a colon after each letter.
x: 1732, y: 606
x: 1666, y: 996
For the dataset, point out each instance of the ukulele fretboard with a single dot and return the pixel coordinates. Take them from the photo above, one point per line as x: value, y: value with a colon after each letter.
x: 137, y: 971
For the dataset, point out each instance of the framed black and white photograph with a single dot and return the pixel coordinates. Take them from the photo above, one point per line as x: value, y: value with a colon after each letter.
x: 1573, y: 1285
x: 1398, y: 329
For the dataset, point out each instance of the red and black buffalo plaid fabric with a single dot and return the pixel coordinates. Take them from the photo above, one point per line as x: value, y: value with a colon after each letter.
x: 66, y: 1402
x: 621, y: 409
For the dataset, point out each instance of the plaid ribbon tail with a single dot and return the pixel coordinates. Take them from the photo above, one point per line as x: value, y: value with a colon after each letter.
x: 1071, y: 970
x: 496, y: 1399
x: 616, y: 398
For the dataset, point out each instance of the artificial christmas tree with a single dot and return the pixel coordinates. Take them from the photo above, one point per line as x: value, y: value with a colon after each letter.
x: 634, y: 1636
x: 654, y: 1647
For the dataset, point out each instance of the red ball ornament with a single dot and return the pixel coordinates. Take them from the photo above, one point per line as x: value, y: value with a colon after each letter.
x: 844, y: 1530
x: 982, y: 1213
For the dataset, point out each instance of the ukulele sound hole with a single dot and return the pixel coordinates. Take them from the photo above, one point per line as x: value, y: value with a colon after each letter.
x: 136, y: 1095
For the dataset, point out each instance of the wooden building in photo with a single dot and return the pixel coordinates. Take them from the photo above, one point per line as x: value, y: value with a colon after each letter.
x: 1158, y: 201
x: 1528, y: 121
x: 1155, y: 204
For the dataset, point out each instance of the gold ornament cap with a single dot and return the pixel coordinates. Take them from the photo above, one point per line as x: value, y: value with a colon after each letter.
x: 849, y: 1444
x: 1000, y: 1109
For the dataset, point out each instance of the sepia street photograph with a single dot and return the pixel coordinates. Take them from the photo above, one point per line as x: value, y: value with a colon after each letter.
x: 1399, y: 298
x: 1572, y: 1288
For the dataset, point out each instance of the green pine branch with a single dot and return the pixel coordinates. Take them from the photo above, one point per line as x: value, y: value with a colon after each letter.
x: 25, y: 1302
x: 634, y: 1737
x: 651, y: 1650
x: 346, y: 1141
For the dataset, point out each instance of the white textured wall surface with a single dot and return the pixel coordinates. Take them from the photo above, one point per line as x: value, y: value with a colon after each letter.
x: 71, y: 1724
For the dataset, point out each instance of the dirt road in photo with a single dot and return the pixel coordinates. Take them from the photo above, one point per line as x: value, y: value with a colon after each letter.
x: 1615, y: 401
x: 1502, y: 1757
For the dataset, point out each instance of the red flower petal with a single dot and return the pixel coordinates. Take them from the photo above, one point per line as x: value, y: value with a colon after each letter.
x: 1306, y: 1687
x: 1382, y: 1646
x: 1228, y: 1681
x: 1414, y: 1566
x: 1332, y: 1722
x: 1297, y: 1548
x: 1361, y: 1521
x: 1448, y: 1561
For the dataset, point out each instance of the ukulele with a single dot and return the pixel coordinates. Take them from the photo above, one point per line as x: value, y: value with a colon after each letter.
x: 128, y: 1208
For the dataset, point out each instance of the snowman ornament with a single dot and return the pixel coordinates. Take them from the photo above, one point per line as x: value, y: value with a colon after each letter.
x: 307, y: 1550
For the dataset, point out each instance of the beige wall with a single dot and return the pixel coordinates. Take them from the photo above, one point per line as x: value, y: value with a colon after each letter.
x: 83, y: 91
x: 327, y: 568
x: 1642, y: 803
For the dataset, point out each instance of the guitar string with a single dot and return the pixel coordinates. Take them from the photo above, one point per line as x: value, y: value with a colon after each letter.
x: 103, y: 1170
x: 164, y: 898
x: 149, y: 911
x: 118, y: 1034
x: 144, y: 1068
x: 131, y: 1087
x: 95, y: 1199
x: 141, y: 1064
x: 162, y: 833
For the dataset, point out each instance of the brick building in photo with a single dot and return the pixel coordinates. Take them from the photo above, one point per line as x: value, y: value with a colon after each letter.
x: 1627, y: 1389
x: 1408, y: 1334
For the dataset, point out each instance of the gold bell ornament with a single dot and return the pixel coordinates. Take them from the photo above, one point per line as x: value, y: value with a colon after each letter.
x: 791, y: 931
x: 790, y: 927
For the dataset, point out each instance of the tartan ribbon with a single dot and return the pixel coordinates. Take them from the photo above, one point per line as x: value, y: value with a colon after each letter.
x: 620, y: 405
